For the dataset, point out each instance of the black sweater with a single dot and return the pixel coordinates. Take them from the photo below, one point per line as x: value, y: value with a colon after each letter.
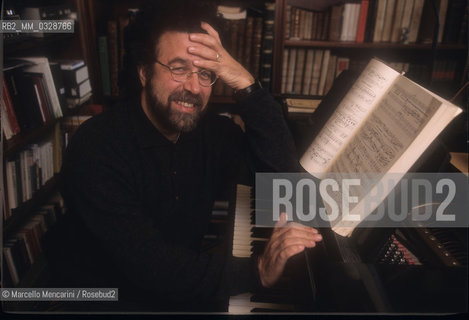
x: 140, y: 205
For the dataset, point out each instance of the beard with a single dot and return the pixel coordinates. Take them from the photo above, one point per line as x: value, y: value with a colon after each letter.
x: 172, y: 119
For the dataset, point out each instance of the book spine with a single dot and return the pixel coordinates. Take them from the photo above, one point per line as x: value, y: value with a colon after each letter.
x: 296, y: 12
x: 346, y: 21
x: 288, y: 12
x: 379, y: 22
x: 308, y: 71
x: 301, y: 24
x: 405, y: 23
x: 267, y: 46
x: 330, y: 73
x: 370, y: 21
x: 354, y: 24
x: 284, y: 70
x: 326, y: 26
x: 335, y: 26
x: 299, y: 70
x: 362, y: 21
x: 248, y: 41
x: 10, y: 112
x: 291, y: 70
x: 454, y: 20
x: 322, y: 79
x: 388, y: 20
x: 317, y: 64
x: 256, y: 47
x: 415, y: 20
x: 104, y: 65
x: 398, y: 16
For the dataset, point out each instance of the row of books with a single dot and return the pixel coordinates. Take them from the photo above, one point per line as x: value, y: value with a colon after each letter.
x: 310, y: 71
x: 248, y: 36
x: 23, y: 249
x: 36, y: 91
x: 395, y: 21
x: 30, y: 169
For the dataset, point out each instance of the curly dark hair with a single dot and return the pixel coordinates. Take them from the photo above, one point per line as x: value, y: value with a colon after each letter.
x: 142, y: 36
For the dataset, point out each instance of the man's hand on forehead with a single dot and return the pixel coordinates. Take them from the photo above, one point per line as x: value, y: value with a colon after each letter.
x: 215, y: 58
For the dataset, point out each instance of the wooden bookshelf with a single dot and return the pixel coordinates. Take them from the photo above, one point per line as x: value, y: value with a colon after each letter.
x: 77, y: 45
x: 413, y: 53
x: 23, y: 139
x: 25, y: 211
x: 371, y: 45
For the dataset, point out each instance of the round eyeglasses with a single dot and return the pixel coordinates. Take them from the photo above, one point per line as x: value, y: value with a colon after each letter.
x: 181, y: 74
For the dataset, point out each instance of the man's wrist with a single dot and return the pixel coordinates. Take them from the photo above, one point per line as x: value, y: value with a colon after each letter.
x: 239, y: 94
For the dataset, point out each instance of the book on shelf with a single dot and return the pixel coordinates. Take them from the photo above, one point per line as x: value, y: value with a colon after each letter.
x: 77, y: 101
x: 27, y: 171
x: 388, y: 20
x: 308, y: 71
x: 335, y: 22
x: 285, y: 58
x: 20, y: 94
x: 45, y: 108
x: 103, y: 51
x: 415, y: 21
x: 313, y: 76
x: 9, y: 115
x: 23, y: 248
x: 300, y: 66
x: 79, y: 90
x: 70, y: 64
x: 394, y: 21
x: 288, y: 13
x: 256, y: 47
x: 290, y: 75
x: 442, y: 16
x: 403, y: 118
x: 398, y: 16
x: 41, y: 65
x: 330, y: 76
x: 405, y: 22
x: 302, y: 105
x: 454, y: 21
x: 72, y: 77
x: 267, y: 45
x: 362, y: 19
x: 322, y: 78
x: 316, y: 74
x: 58, y: 82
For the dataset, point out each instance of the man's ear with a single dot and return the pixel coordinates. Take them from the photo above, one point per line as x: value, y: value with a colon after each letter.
x: 141, y: 75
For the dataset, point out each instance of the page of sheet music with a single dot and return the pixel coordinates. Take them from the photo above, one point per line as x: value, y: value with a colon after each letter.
x: 399, y: 117
x: 353, y: 109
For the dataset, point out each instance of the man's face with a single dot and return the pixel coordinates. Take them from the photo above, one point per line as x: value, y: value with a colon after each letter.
x: 175, y: 106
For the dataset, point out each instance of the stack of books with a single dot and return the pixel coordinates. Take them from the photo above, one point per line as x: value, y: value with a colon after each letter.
x: 76, y: 81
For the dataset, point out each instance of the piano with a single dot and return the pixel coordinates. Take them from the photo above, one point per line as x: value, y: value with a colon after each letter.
x: 376, y: 271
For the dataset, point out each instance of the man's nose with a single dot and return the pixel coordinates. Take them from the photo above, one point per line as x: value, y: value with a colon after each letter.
x: 192, y: 83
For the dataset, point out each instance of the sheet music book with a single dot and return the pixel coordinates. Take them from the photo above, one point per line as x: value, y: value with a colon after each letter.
x: 382, y: 125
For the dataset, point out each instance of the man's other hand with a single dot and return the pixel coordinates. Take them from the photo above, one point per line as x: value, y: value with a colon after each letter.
x: 287, y: 240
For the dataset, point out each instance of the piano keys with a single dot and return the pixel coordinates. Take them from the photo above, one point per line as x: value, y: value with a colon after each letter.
x: 374, y: 271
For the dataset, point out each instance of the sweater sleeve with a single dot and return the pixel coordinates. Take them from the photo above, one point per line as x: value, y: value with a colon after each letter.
x: 270, y: 141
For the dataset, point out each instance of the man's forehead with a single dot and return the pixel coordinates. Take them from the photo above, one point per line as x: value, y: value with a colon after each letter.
x: 173, y: 40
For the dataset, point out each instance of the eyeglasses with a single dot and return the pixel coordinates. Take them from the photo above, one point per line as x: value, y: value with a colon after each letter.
x: 181, y: 74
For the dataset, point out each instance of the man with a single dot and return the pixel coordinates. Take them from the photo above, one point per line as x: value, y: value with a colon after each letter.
x: 140, y: 180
